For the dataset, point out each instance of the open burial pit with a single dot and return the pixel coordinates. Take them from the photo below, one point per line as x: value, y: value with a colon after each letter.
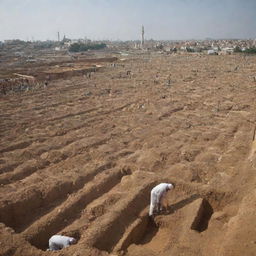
x: 111, y: 214
x: 26, y: 206
x: 125, y: 226
x: 71, y: 210
x: 152, y: 236
x: 192, y: 213
x: 65, y: 212
x: 202, y: 217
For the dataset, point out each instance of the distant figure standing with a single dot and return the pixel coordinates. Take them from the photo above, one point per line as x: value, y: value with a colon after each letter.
x: 158, y: 196
x: 58, y: 242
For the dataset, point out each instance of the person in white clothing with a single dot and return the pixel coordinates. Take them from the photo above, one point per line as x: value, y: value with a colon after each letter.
x: 58, y: 242
x: 158, y: 196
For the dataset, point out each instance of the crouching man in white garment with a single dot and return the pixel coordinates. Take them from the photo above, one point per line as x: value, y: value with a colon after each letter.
x: 158, y: 197
x: 58, y: 242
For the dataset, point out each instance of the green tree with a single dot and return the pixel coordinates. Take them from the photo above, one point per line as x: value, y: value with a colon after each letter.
x: 81, y: 47
x: 237, y: 49
x: 251, y: 50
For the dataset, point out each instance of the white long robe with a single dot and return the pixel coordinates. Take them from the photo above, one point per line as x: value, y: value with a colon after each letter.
x: 158, y: 194
x: 58, y: 242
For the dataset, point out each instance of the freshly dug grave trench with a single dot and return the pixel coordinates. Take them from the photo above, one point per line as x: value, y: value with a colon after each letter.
x: 203, y: 216
x: 39, y: 233
x: 113, y: 225
x: 15, y: 213
x: 151, y: 236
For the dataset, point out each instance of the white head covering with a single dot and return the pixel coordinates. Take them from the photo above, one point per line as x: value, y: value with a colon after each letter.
x: 170, y: 186
x: 72, y: 240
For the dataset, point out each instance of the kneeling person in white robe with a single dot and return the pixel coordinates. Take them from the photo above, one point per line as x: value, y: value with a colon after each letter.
x: 58, y: 242
x: 158, y: 196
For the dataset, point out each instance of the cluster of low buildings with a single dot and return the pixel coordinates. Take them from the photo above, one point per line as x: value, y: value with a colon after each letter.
x: 208, y: 46
x: 219, y: 46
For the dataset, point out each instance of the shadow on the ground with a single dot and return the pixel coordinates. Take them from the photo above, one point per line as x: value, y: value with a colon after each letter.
x: 172, y: 208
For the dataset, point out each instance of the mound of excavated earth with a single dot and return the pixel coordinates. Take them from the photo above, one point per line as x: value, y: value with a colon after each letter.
x: 80, y: 156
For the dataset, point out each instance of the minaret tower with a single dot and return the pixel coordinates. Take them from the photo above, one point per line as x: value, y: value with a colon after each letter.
x: 142, y: 37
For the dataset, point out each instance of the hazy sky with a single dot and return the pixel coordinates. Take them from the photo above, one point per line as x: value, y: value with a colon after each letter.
x: 122, y: 19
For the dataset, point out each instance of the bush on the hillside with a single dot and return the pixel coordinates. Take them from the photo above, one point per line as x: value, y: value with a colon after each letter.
x: 237, y: 49
x: 44, y: 45
x: 189, y: 49
x: 251, y: 50
x: 80, y: 47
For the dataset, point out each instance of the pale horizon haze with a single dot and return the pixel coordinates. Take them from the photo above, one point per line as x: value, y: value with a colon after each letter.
x: 122, y: 20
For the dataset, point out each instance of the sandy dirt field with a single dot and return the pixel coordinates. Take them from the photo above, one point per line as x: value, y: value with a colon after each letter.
x: 80, y: 157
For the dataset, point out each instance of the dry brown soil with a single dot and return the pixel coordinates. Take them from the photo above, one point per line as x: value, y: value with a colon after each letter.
x: 80, y: 157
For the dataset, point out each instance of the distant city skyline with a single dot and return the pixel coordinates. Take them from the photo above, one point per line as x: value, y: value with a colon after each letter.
x: 122, y: 20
